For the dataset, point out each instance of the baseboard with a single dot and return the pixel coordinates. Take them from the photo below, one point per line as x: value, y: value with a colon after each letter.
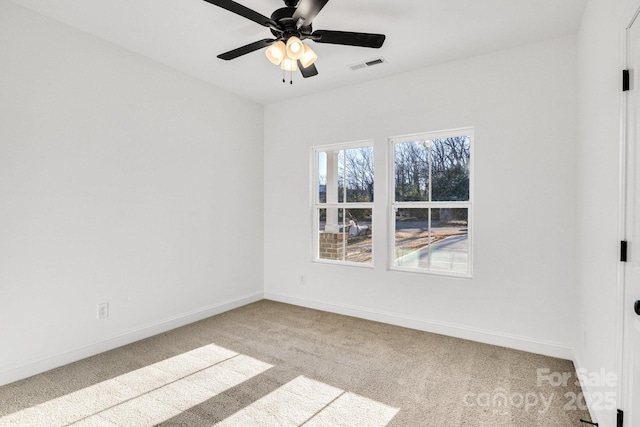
x: 17, y: 372
x: 443, y: 328
x: 20, y: 371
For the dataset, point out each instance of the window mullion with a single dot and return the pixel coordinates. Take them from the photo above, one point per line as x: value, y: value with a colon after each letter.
x: 430, y: 163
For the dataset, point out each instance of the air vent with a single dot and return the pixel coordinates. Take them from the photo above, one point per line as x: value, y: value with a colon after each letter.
x: 366, y: 64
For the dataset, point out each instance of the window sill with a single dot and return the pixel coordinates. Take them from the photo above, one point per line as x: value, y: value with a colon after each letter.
x: 343, y: 263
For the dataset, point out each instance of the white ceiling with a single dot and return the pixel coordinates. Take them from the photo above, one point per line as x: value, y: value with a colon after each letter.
x: 188, y: 34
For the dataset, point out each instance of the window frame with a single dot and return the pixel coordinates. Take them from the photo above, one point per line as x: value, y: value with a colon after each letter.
x: 395, y: 205
x: 317, y: 205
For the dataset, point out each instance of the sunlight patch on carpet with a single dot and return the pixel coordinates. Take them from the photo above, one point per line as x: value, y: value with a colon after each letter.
x: 146, y: 396
x: 307, y: 402
x: 353, y: 410
x: 156, y: 393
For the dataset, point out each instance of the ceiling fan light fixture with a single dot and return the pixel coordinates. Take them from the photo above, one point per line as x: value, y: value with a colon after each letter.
x: 276, y: 52
x: 295, y: 48
x: 308, y: 57
x: 289, y: 64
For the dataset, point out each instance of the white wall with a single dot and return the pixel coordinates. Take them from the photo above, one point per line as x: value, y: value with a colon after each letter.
x: 599, y: 130
x: 522, y: 103
x: 119, y: 183
x: 114, y: 176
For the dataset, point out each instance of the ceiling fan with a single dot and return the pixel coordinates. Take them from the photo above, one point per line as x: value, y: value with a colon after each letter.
x: 290, y: 25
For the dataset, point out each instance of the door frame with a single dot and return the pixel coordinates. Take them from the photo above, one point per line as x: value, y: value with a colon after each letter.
x: 630, y: 15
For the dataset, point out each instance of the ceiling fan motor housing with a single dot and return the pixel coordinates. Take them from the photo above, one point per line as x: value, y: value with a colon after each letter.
x: 284, y: 17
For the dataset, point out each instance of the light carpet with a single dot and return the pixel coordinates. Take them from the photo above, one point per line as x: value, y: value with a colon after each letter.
x: 274, y: 364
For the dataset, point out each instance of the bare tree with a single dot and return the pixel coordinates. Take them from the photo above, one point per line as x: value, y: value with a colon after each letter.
x: 357, y: 165
x: 440, y: 166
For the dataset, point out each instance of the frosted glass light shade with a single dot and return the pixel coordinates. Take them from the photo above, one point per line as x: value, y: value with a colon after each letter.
x: 308, y: 57
x: 276, y: 52
x: 295, y: 48
x: 289, y: 64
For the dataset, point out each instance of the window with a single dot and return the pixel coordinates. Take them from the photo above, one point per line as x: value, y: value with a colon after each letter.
x: 343, y: 203
x: 431, y: 202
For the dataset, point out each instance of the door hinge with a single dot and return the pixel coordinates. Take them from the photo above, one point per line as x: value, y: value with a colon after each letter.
x: 623, y: 251
x: 620, y: 418
x: 625, y: 80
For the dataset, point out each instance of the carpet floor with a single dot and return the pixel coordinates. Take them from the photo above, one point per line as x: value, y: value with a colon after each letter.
x: 274, y: 364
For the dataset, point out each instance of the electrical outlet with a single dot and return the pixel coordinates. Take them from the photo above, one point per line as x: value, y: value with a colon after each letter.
x: 302, y: 279
x: 103, y: 310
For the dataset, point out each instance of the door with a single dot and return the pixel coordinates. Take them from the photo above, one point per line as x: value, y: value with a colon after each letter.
x: 631, y: 310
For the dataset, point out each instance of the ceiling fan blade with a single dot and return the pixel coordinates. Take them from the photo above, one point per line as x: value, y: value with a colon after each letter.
x: 232, y: 54
x: 348, y: 38
x: 310, y: 71
x: 245, y: 12
x: 308, y: 10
